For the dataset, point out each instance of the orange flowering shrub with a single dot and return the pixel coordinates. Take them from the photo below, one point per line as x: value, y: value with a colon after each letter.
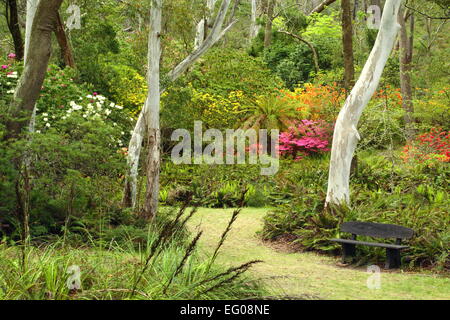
x: 392, y: 95
x: 320, y: 102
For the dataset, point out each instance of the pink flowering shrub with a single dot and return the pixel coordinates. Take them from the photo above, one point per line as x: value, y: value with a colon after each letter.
x: 306, y: 138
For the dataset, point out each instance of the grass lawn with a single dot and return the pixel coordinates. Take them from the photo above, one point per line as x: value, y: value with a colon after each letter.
x: 297, y: 274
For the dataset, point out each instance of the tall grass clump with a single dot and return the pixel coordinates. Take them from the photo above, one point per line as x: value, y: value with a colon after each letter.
x: 165, y: 264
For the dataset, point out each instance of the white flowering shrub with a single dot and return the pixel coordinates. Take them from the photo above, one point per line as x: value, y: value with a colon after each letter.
x: 90, y: 108
x: 8, y: 78
x: 77, y: 151
x: 63, y: 99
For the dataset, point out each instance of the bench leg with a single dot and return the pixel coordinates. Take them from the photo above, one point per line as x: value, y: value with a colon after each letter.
x: 393, y: 258
x: 349, y: 252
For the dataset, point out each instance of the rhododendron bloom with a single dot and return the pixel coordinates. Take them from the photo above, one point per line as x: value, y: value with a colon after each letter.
x: 305, y: 138
x: 11, y: 56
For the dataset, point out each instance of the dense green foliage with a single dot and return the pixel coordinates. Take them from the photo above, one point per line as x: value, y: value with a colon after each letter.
x: 385, y: 193
x: 68, y: 174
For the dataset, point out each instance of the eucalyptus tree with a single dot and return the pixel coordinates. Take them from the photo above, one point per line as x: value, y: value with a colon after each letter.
x: 30, y: 13
x: 135, y: 145
x: 270, y: 7
x: 203, y: 25
x: 152, y: 110
x: 254, y: 27
x: 346, y: 135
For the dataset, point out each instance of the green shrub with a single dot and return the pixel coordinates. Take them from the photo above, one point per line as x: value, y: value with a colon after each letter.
x: 410, y: 197
x: 224, y: 70
x: 381, y: 125
x: 75, y: 171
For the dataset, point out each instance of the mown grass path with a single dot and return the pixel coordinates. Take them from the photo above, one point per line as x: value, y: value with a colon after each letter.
x: 297, y: 274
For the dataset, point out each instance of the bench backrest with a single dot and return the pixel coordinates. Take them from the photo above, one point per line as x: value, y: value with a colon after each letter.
x: 377, y: 230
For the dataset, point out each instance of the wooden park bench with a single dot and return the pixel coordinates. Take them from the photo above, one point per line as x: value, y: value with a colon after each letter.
x: 375, y: 230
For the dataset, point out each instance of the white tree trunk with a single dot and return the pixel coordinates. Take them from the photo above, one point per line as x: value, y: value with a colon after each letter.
x: 346, y: 135
x: 152, y: 111
x: 202, y: 26
x: 254, y: 27
x: 31, y: 11
x: 135, y: 145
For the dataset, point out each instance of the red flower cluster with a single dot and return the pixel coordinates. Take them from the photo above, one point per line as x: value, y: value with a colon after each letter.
x: 432, y: 145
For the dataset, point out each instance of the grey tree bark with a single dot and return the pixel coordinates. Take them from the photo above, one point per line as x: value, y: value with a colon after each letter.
x: 269, y: 23
x: 203, y: 25
x: 322, y: 6
x: 38, y: 51
x: 406, y: 54
x: 152, y: 112
x: 347, y: 41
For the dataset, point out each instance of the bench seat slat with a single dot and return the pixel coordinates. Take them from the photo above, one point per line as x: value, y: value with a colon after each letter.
x: 370, y: 244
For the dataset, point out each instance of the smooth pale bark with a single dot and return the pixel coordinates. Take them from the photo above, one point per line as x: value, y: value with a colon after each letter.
x: 152, y: 112
x: 12, y: 19
x: 346, y: 135
x: 203, y: 25
x: 347, y: 41
x: 31, y: 11
x: 254, y: 27
x: 406, y: 53
x: 135, y: 145
x: 36, y: 63
x: 269, y: 23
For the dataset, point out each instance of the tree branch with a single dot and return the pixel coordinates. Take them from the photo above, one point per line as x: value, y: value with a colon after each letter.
x: 309, y: 44
x: 322, y: 6
x: 426, y: 15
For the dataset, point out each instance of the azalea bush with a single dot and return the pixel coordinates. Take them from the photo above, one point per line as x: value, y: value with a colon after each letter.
x: 59, y: 88
x: 77, y: 152
x: 8, y: 75
x: 428, y: 148
x: 305, y: 138
x: 320, y: 102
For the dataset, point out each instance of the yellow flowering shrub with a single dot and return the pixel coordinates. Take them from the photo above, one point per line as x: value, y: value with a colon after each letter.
x: 128, y: 88
x: 217, y: 111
